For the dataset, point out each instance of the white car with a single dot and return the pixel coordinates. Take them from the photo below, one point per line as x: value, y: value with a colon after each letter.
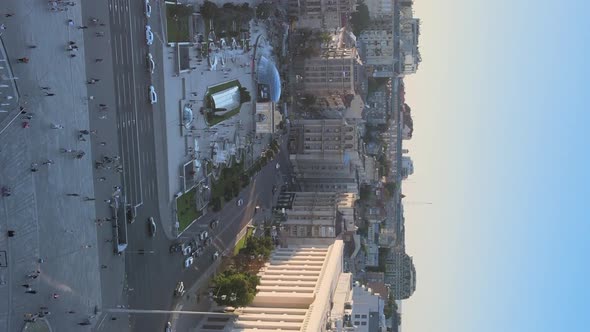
x: 149, y: 35
x: 215, y: 255
x: 278, y: 166
x: 188, y: 262
x: 204, y: 235
x: 240, y: 202
x: 187, y: 250
x: 148, y: 9
x: 153, y: 95
x: 150, y: 63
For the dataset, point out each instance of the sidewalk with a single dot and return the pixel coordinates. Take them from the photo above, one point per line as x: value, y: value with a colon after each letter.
x: 55, y: 234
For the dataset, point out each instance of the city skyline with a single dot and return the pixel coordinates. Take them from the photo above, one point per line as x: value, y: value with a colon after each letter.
x: 499, y: 111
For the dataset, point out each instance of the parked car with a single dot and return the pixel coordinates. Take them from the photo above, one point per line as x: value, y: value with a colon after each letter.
x: 168, y: 327
x: 215, y: 255
x: 179, y: 290
x: 151, y: 65
x: 240, y: 202
x: 203, y: 235
x: 214, y: 223
x: 188, y: 262
x: 131, y: 213
x: 187, y: 250
x: 148, y: 9
x: 149, y: 35
x: 151, y: 226
x: 177, y: 247
x: 153, y: 95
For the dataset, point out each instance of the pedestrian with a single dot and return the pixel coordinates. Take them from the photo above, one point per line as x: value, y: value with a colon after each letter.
x: 31, y: 291
x: 80, y: 155
x: 8, y: 15
x: 94, y: 132
x: 34, y: 169
x: 102, y: 178
x: 72, y: 55
x: 48, y: 162
x: 102, y: 105
x: 84, y: 132
x: 23, y: 60
x: 84, y: 323
x: 89, y: 198
x: 26, y: 286
x: 103, y: 266
x: 55, y: 296
x: 108, y: 241
x: 62, y: 150
x: 103, y: 143
x: 56, y: 126
x: 102, y: 117
x: 98, y: 60
x: 32, y: 46
x: 107, y: 201
x: 82, y: 27
x: 73, y: 195
x: 45, y: 88
x: 48, y: 94
x: 71, y: 312
x: 87, y: 246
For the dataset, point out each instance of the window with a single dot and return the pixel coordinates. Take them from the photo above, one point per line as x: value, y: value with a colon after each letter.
x: 356, y: 323
x: 357, y: 316
x: 364, y: 316
x: 363, y: 323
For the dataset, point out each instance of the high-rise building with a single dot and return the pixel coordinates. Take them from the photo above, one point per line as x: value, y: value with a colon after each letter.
x: 376, y: 43
x: 400, y: 273
x: 409, y: 33
x: 324, y: 155
x: 331, y: 72
x: 379, y: 8
x: 320, y: 14
x: 317, y: 216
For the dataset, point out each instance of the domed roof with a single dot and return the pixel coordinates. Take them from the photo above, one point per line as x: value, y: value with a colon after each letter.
x: 269, y: 74
x: 187, y: 116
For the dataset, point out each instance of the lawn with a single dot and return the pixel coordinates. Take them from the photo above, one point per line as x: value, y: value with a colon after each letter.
x: 242, y: 242
x: 228, y: 186
x: 177, y: 23
x: 186, y: 209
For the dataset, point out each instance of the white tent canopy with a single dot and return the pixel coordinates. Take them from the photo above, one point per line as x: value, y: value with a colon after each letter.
x: 228, y: 99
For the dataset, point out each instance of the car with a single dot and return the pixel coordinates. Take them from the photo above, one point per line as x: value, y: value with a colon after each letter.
x: 148, y: 9
x: 187, y: 250
x: 278, y: 166
x: 153, y: 95
x: 149, y: 35
x: 151, y: 226
x: 203, y: 235
x: 214, y: 223
x: 179, y: 290
x: 198, y: 252
x: 215, y: 255
x: 168, y: 327
x: 256, y: 208
x: 151, y: 65
x: 131, y: 213
x: 207, y: 242
x: 177, y: 247
x: 188, y: 262
x: 240, y: 202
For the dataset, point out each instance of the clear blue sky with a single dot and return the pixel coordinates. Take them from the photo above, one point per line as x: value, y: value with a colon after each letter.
x: 501, y: 148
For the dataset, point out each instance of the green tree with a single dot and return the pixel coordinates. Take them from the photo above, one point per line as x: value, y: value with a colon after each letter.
x: 258, y: 246
x: 360, y: 18
x: 308, y: 99
x: 209, y: 10
x: 236, y: 289
x: 264, y: 10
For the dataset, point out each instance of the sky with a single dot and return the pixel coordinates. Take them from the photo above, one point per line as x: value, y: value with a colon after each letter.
x: 501, y: 148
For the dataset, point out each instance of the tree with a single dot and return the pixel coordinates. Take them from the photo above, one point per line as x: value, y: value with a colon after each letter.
x: 209, y: 10
x: 264, y: 10
x: 244, y: 95
x: 360, y: 18
x: 258, y: 246
x: 308, y: 99
x: 236, y: 289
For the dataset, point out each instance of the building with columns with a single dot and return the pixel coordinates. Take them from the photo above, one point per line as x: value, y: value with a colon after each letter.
x: 331, y: 72
x: 296, y: 290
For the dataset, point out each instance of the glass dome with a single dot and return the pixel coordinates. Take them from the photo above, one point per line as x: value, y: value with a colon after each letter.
x: 187, y: 116
x: 269, y: 74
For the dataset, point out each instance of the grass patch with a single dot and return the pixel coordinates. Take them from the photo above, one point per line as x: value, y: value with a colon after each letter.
x: 186, y: 209
x: 242, y: 242
x: 223, y: 86
x: 177, y: 23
